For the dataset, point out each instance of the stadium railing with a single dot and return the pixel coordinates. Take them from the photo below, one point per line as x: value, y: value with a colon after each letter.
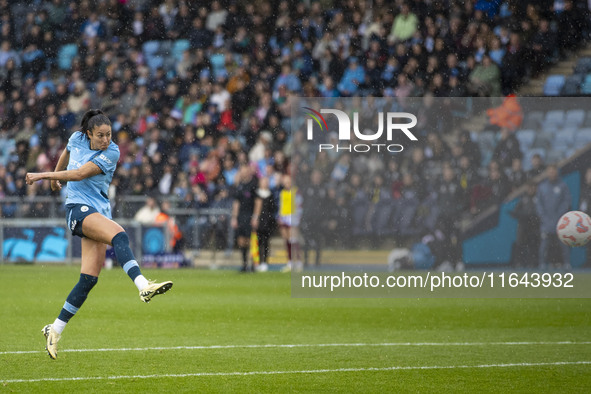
x: 202, y: 227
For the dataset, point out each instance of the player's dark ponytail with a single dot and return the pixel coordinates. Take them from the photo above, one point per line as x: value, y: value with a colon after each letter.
x: 94, y: 118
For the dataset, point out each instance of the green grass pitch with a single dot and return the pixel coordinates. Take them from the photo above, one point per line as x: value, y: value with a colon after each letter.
x: 232, y: 327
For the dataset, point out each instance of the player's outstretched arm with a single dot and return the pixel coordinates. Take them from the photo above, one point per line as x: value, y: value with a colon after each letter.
x: 61, y: 165
x: 86, y: 171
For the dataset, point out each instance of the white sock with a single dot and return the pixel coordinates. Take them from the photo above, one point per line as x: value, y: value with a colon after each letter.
x: 58, y: 326
x: 141, y: 282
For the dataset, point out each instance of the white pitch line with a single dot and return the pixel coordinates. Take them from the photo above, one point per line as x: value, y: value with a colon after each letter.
x: 299, y: 345
x: 312, y: 371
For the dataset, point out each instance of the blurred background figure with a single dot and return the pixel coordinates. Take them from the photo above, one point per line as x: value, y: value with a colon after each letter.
x: 176, y: 236
x: 290, y: 207
x: 149, y: 212
x: 527, y: 245
x: 263, y: 220
x: 553, y: 199
x: 242, y: 211
x: 314, y: 216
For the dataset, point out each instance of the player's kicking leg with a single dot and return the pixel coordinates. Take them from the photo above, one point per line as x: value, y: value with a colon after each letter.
x: 102, y: 229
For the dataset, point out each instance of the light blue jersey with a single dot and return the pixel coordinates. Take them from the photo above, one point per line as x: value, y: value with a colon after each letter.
x: 92, y: 191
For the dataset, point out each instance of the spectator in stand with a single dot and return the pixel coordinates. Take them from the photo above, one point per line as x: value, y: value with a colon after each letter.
x: 288, y: 79
x: 199, y: 36
x: 353, y: 77
x: 507, y: 149
x: 148, y: 213
x: 496, y: 52
x: 470, y: 148
x: 79, y: 99
x: 436, y: 149
x: 405, y: 25
x: 513, y: 67
x: 516, y: 175
x: 497, y: 183
x: 537, y: 166
x: 485, y: 79
x: 571, y: 24
x: 92, y: 28
x: 467, y: 179
x: 543, y: 47
x: 216, y: 17
x: 7, y: 53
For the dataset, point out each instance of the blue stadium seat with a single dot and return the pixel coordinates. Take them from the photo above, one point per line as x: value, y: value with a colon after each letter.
x: 586, y: 86
x: 151, y: 48
x: 486, y: 141
x: 533, y: 120
x: 566, y: 133
x: 561, y: 143
x: 154, y: 62
x: 583, y: 137
x: 555, y: 155
x: 554, y: 119
x: 583, y: 66
x: 574, y: 118
x: 65, y: 56
x: 563, y: 139
x: 179, y: 47
x: 543, y: 140
x: 572, y: 85
x: 526, y: 138
x: 554, y: 84
x: 587, y: 121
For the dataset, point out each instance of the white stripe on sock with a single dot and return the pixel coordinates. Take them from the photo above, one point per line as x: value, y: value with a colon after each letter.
x: 58, y: 326
x: 141, y: 282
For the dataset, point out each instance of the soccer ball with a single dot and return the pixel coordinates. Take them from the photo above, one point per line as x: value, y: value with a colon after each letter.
x: 574, y: 228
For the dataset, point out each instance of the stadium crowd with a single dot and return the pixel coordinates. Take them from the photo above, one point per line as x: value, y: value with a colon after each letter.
x: 197, y: 89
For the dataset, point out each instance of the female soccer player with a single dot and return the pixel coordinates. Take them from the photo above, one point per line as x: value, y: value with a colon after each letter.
x: 91, y: 158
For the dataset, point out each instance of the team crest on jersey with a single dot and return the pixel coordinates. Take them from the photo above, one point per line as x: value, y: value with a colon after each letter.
x: 84, y: 208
